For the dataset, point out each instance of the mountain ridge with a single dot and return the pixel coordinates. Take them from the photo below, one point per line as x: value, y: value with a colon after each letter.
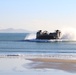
x: 12, y: 30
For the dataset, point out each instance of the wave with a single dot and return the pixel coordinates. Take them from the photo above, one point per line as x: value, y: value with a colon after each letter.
x: 56, y: 56
x: 68, y: 34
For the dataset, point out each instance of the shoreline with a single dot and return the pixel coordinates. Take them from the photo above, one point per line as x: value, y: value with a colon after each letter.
x: 55, y: 64
x: 23, y: 63
x: 53, y: 60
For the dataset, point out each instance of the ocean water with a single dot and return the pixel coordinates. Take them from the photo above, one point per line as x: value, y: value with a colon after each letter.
x: 17, y: 43
x: 15, y: 48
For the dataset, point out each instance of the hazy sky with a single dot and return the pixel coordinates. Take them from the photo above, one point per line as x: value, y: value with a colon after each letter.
x: 37, y: 14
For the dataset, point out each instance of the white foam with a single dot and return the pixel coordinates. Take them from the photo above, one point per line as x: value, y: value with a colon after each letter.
x: 52, y: 56
x: 27, y: 56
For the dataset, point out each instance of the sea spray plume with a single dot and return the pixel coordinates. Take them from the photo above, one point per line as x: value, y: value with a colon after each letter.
x: 30, y: 36
x: 69, y: 34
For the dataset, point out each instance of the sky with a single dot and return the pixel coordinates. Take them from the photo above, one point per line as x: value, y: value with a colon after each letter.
x: 37, y: 14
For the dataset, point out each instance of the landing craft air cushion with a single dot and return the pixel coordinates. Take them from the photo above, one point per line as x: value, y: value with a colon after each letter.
x: 48, y: 36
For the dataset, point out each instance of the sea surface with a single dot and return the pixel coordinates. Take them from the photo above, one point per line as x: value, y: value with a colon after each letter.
x: 13, y: 44
x: 17, y: 43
